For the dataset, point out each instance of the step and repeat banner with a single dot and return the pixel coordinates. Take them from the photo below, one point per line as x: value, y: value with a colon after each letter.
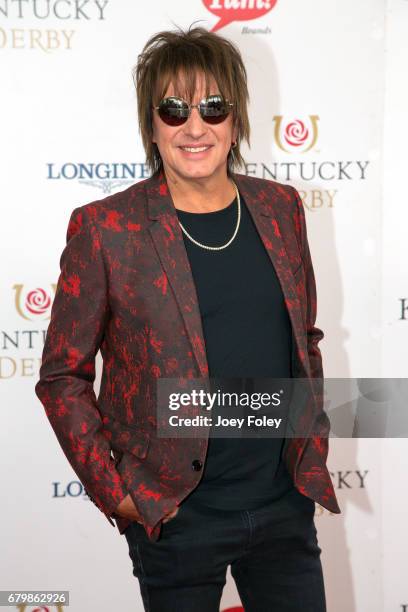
x: 329, y: 94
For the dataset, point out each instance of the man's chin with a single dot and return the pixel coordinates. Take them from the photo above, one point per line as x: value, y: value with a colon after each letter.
x: 196, y: 171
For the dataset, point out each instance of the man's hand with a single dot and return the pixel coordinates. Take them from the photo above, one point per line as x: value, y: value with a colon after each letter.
x: 127, y: 509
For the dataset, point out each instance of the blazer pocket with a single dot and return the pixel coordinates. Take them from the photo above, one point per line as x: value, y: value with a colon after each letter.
x: 123, y: 438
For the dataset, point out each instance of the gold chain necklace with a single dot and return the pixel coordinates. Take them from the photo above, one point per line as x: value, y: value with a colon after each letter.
x: 224, y: 246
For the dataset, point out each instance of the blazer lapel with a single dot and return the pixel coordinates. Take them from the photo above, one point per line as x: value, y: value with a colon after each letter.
x: 265, y: 215
x: 168, y: 240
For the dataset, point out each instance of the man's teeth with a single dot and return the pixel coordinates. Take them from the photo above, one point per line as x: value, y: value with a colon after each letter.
x: 194, y: 150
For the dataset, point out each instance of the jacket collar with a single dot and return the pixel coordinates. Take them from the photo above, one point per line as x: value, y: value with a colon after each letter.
x: 160, y: 202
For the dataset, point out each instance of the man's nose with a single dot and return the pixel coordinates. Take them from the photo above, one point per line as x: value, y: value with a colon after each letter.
x: 195, y: 124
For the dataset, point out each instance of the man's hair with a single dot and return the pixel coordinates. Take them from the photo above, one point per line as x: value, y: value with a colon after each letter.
x: 168, y: 55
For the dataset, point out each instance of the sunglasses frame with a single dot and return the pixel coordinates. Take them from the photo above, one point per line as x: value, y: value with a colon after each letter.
x: 197, y: 106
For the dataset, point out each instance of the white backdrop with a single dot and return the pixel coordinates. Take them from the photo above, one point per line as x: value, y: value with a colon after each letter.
x: 328, y: 107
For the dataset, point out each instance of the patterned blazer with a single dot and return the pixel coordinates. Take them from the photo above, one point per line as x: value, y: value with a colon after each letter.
x: 126, y: 289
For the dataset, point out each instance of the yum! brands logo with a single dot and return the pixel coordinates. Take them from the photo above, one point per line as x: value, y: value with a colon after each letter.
x: 295, y: 136
x: 228, y: 11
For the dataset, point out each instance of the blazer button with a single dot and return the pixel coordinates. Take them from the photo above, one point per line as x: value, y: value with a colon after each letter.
x: 196, y: 465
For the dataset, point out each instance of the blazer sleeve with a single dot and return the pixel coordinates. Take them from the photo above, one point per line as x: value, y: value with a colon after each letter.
x: 314, y: 334
x: 79, y: 314
x: 321, y: 423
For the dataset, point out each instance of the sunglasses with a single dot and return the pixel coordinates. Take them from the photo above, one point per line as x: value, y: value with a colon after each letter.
x: 176, y: 111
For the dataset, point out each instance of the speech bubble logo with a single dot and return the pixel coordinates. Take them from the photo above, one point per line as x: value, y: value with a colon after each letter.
x: 228, y: 11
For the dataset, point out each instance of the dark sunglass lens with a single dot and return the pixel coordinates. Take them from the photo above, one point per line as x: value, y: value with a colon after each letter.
x: 173, y: 111
x: 215, y: 109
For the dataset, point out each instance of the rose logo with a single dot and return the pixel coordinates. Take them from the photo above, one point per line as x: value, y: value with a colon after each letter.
x: 37, y: 301
x: 296, y: 133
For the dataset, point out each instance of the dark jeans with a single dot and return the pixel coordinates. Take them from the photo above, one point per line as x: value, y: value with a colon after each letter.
x: 273, y: 553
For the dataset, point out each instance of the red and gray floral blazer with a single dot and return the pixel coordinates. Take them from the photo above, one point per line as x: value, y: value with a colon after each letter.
x: 126, y: 288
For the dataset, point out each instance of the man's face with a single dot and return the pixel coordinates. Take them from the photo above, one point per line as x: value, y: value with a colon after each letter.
x: 194, y: 133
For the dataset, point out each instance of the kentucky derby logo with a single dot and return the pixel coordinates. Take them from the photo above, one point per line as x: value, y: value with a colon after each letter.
x: 39, y: 22
x: 32, y: 303
x: 296, y: 136
x: 228, y: 11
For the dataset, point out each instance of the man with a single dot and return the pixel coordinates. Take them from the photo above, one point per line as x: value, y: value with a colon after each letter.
x: 195, y: 272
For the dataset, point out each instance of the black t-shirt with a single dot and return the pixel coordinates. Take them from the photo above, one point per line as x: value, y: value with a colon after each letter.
x: 247, y: 333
